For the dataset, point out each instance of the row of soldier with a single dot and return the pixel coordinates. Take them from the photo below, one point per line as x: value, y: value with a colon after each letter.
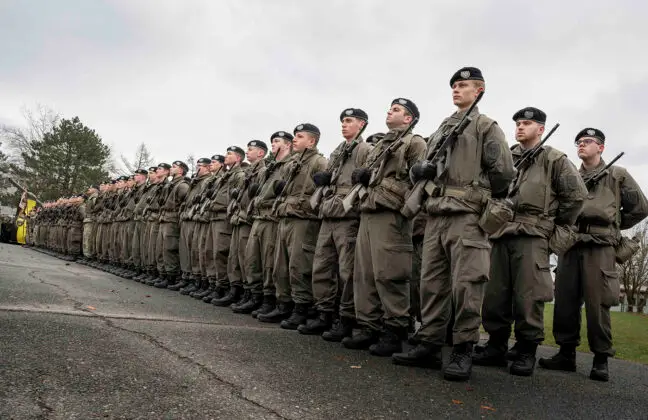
x: 454, y: 230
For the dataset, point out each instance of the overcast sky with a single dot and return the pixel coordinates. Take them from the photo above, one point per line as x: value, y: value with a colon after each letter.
x: 189, y: 76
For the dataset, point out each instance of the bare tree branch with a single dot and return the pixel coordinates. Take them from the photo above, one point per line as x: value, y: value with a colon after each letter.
x: 19, y: 139
x: 634, y: 272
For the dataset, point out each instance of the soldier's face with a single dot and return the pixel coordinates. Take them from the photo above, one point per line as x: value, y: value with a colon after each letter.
x: 397, y: 116
x: 464, y: 93
x: 351, y: 127
x: 231, y: 158
x: 526, y: 130
x: 253, y: 154
x: 302, y: 141
x: 279, y: 144
x: 588, y: 147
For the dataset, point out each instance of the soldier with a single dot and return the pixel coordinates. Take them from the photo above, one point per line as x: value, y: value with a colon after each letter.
x: 139, y: 243
x: 587, y: 272
x: 242, y: 223
x: 456, y: 251
x: 297, y: 231
x: 221, y: 229
x: 189, y: 232
x: 151, y: 217
x: 203, y: 276
x: 130, y: 227
x: 155, y: 263
x: 74, y: 237
x: 383, y: 254
x: 547, y: 195
x: 260, y: 249
x: 89, y: 224
x: 335, y: 248
x: 170, y: 225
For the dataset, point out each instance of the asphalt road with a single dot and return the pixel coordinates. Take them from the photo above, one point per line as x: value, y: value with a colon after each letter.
x: 77, y: 343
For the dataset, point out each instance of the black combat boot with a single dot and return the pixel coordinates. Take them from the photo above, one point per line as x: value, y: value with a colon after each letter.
x: 341, y: 328
x: 390, y: 342
x: 255, y: 302
x: 179, y: 284
x: 298, y: 317
x: 565, y: 360
x: 282, y: 311
x: 362, y: 339
x: 317, y: 326
x: 191, y: 287
x: 492, y: 354
x: 247, y: 295
x: 203, y: 291
x: 165, y: 282
x: 201, y: 286
x: 269, y: 304
x: 460, y: 366
x: 599, y: 370
x: 525, y: 362
x: 234, y: 294
x: 216, y: 292
x: 424, y: 355
x: 513, y: 353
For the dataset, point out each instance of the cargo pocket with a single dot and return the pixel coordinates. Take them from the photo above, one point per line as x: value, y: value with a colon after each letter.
x: 611, y: 288
x: 306, y: 260
x: 393, y: 262
x: 543, y: 288
x: 473, y: 262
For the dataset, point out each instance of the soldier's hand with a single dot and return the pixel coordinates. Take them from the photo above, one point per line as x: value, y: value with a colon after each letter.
x: 234, y: 193
x: 279, y: 188
x: 252, y: 190
x: 322, y: 179
x: 422, y: 170
x: 361, y: 176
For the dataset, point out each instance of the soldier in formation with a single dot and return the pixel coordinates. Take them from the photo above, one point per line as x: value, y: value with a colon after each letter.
x: 453, y: 231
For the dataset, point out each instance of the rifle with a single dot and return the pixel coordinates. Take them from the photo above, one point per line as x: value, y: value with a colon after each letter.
x: 271, y: 166
x: 528, y: 156
x: 20, y: 187
x: 211, y: 184
x: 425, y: 188
x: 340, y: 159
x: 293, y: 171
x: 236, y: 203
x: 594, y: 179
x: 358, y: 190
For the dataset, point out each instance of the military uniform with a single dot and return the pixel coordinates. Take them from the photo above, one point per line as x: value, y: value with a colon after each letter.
x: 587, y: 272
x: 89, y: 226
x: 139, y: 239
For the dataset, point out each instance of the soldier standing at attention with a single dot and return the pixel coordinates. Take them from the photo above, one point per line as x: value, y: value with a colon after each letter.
x: 260, y: 249
x: 587, y: 272
x: 383, y: 254
x: 335, y: 249
x: 456, y: 251
x: 297, y: 232
x: 170, y: 225
x: 547, y: 196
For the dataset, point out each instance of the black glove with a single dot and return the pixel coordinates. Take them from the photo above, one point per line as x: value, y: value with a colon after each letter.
x: 422, y: 170
x: 279, y: 188
x: 322, y: 179
x: 234, y: 193
x: 361, y: 176
x: 252, y: 190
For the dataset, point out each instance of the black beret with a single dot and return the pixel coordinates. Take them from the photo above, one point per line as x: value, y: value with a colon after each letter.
x: 375, y: 138
x: 236, y: 149
x: 141, y: 172
x: 282, y: 135
x: 218, y: 158
x: 152, y: 168
x: 123, y: 178
x: 466, y: 73
x: 132, y: 177
x: 164, y: 166
x: 591, y: 132
x: 204, y: 161
x: 113, y: 181
x: 258, y: 143
x: 532, y: 114
x: 356, y: 113
x: 409, y: 105
x: 308, y: 128
x: 182, y: 165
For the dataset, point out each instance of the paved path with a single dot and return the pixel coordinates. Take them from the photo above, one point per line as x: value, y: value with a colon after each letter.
x: 77, y: 343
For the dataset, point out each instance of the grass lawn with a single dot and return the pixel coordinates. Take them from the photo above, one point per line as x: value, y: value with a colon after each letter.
x: 629, y: 334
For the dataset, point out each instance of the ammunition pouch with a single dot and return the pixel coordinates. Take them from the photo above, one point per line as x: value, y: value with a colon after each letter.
x: 626, y: 248
x: 494, y: 216
x: 562, y: 239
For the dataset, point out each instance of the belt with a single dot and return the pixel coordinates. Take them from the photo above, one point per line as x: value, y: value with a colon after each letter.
x: 594, y: 229
x: 466, y: 193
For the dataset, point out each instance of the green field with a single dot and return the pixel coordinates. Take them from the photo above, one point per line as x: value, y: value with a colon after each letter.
x: 629, y: 334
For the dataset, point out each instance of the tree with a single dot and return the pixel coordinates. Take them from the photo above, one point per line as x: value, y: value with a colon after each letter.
x: 19, y: 140
x: 67, y: 160
x: 143, y: 159
x: 7, y: 197
x: 191, y: 164
x: 633, y: 274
